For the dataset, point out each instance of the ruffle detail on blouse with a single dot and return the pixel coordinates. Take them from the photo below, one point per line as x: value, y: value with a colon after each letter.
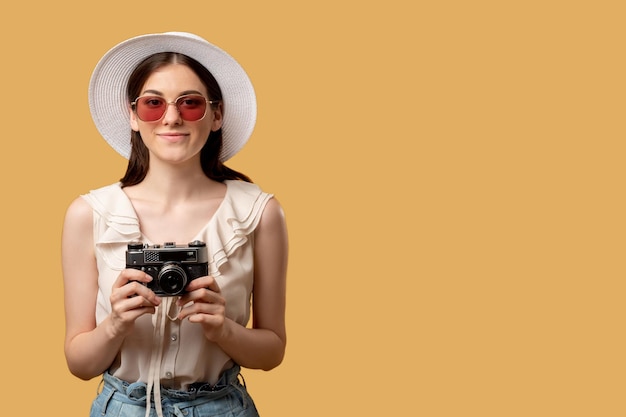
x: 115, y: 224
x: 113, y: 205
x: 235, y: 219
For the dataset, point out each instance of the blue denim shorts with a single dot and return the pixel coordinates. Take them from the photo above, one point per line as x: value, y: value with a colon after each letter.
x: 229, y: 397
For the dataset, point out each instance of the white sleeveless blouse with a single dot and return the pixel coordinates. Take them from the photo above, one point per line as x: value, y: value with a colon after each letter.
x: 172, y: 352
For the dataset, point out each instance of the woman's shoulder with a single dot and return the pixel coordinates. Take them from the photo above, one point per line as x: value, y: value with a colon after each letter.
x: 109, y: 198
x: 270, y: 211
x: 78, y: 207
x: 242, y: 186
x: 114, y: 188
x: 78, y: 216
x: 81, y: 208
x: 246, y: 194
x: 273, y: 215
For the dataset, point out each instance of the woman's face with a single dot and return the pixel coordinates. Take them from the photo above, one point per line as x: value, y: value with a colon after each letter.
x: 171, y: 138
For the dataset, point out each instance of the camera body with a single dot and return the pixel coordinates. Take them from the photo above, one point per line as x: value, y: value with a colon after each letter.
x: 171, y: 266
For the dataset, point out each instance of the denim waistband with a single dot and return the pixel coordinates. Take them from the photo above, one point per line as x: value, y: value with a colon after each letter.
x: 137, y: 391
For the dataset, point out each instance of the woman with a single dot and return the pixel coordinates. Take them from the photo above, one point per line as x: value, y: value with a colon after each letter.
x: 177, y: 107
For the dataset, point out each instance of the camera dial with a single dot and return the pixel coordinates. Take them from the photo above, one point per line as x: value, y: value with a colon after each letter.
x: 135, y: 245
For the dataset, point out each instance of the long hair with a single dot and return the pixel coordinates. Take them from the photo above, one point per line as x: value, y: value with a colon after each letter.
x: 139, y: 161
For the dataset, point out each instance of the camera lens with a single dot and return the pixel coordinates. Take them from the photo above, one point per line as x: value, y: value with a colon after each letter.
x: 172, y: 279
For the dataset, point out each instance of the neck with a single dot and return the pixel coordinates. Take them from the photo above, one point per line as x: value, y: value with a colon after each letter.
x: 176, y: 183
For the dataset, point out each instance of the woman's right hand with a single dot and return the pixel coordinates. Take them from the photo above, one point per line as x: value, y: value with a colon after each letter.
x: 131, y: 299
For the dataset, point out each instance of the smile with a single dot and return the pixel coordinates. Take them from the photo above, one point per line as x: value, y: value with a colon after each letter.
x: 173, y: 136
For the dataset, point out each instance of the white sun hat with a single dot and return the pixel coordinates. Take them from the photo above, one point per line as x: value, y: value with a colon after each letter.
x: 108, y: 102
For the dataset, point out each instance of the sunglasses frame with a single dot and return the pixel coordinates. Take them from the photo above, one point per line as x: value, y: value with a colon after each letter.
x: 174, y: 103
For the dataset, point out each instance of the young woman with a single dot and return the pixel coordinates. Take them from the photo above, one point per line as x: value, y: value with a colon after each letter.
x: 177, y: 107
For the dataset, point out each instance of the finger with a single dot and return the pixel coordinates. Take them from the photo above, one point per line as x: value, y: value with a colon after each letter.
x: 129, y: 275
x: 210, y: 320
x: 132, y: 303
x: 202, y: 308
x: 134, y: 286
x: 134, y: 295
x: 127, y: 311
x: 204, y: 282
x: 201, y: 295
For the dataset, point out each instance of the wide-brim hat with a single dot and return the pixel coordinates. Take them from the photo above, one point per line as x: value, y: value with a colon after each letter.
x: 108, y: 101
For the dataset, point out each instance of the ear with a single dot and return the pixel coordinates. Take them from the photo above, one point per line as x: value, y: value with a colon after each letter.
x: 217, y: 117
x: 133, y: 120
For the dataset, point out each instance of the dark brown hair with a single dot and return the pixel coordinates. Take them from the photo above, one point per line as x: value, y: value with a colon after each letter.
x: 139, y: 160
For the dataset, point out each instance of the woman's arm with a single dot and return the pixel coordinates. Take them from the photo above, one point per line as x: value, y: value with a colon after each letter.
x: 90, y: 349
x: 262, y: 346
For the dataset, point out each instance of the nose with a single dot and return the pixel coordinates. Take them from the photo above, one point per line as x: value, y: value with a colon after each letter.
x: 172, y: 115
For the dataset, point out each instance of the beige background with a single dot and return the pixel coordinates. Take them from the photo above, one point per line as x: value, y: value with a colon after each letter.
x: 452, y: 173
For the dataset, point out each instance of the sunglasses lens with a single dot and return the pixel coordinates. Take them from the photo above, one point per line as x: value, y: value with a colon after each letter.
x: 192, y: 107
x: 150, y: 109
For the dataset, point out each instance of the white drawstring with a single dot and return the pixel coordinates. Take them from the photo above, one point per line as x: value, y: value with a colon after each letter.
x: 154, y: 375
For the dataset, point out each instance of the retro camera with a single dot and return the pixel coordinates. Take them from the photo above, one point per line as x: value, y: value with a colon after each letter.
x: 171, y: 266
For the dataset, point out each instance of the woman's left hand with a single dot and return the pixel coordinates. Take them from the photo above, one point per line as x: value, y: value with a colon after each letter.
x: 203, y: 303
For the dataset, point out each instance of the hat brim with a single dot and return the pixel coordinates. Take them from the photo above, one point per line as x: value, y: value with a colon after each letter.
x: 107, y: 88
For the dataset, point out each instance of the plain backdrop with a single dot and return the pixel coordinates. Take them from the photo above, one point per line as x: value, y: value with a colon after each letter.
x: 452, y: 174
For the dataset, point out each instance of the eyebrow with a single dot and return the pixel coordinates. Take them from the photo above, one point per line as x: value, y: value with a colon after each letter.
x: 158, y: 93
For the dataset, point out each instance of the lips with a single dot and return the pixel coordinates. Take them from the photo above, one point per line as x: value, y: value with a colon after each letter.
x: 173, y: 136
